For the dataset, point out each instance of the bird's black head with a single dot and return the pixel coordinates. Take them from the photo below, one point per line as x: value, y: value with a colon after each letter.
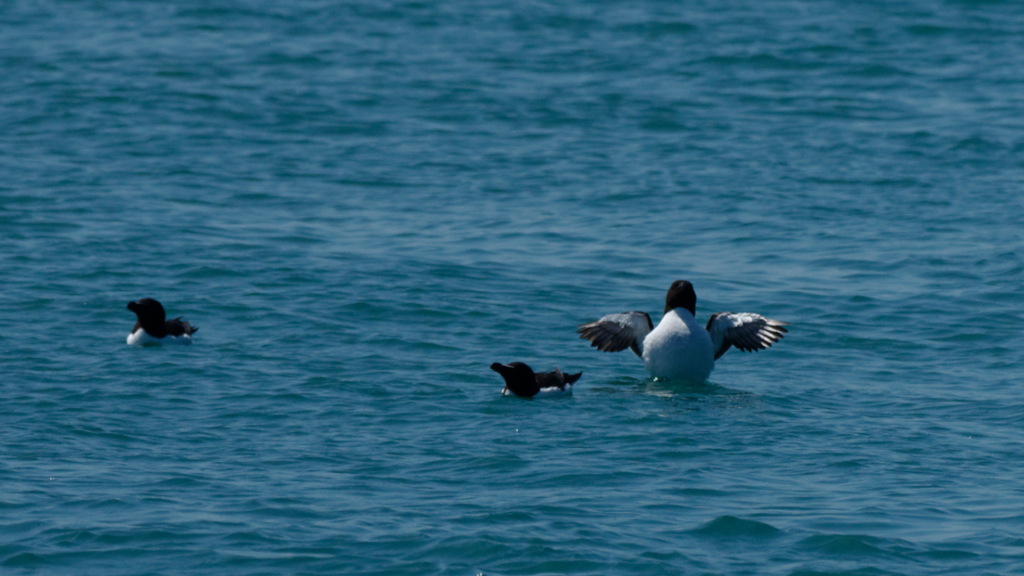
x: 519, y: 378
x: 681, y: 295
x: 150, y: 312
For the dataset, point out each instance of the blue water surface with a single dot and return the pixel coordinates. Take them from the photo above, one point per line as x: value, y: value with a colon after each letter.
x: 363, y: 205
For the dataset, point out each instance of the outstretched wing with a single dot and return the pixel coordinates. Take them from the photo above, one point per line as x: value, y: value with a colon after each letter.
x: 617, y: 332
x: 746, y: 331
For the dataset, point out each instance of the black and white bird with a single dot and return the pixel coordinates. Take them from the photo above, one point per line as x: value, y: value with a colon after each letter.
x: 679, y: 348
x: 521, y: 380
x: 153, y: 326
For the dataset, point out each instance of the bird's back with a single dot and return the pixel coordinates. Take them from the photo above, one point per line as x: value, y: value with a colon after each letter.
x: 679, y: 349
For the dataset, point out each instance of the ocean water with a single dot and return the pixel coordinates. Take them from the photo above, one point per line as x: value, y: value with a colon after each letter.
x: 364, y: 204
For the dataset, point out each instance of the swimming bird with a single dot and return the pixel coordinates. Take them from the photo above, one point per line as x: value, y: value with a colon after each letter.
x: 154, y: 328
x: 521, y: 380
x: 679, y: 348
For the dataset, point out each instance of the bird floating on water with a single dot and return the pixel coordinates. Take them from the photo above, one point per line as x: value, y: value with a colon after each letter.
x: 679, y: 348
x: 154, y: 328
x: 521, y: 380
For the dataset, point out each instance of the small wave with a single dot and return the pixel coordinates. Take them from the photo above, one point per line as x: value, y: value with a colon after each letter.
x: 846, y: 545
x: 733, y: 527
